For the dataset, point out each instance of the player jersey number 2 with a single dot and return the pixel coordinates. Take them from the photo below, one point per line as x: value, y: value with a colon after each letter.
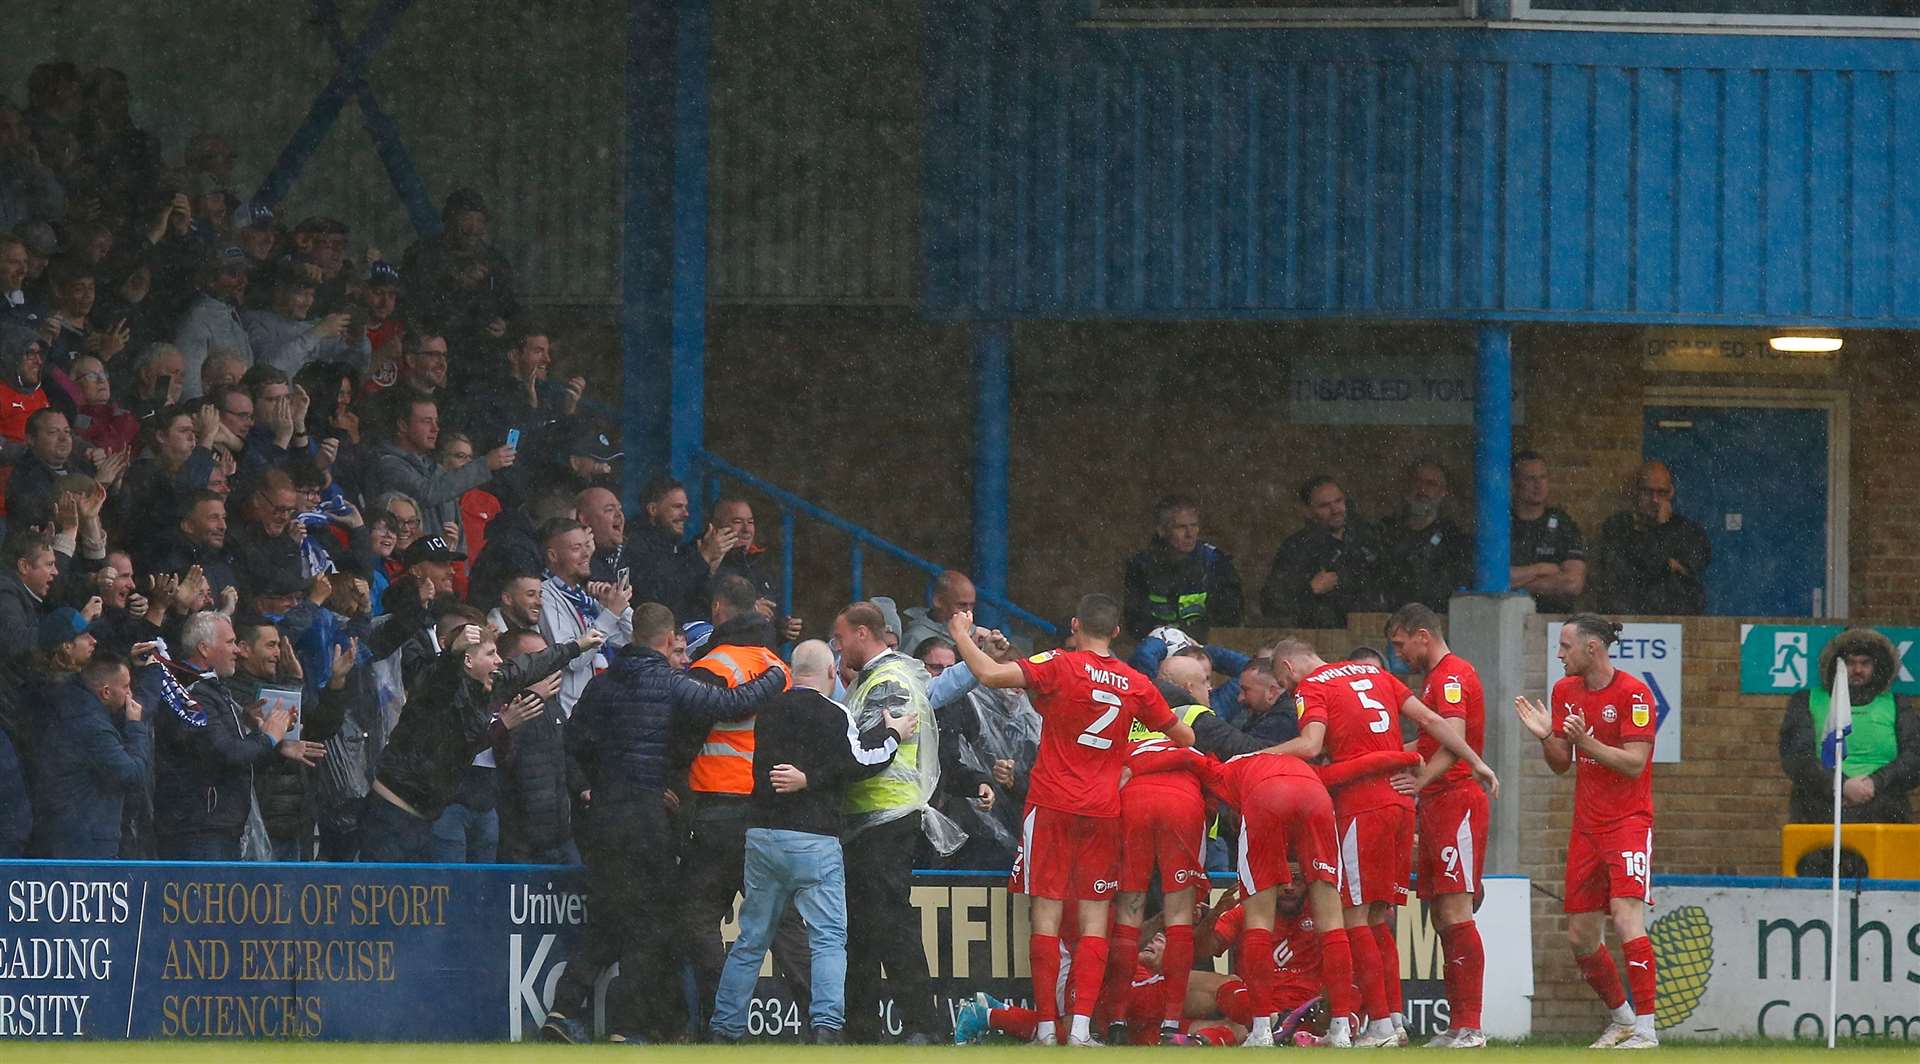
x: 1379, y: 724
x: 1094, y: 736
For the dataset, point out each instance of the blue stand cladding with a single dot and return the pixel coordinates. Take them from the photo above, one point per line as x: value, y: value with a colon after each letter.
x: 1493, y: 460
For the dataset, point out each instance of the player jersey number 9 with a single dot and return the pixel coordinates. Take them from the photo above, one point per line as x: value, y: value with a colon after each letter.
x: 1380, y: 724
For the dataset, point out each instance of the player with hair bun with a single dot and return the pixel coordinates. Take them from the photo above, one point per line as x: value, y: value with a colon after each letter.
x: 1602, y: 720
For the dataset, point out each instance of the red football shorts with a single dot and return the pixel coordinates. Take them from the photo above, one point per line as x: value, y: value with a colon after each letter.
x: 1453, y: 841
x: 1162, y: 828
x: 1615, y: 863
x: 1285, y: 814
x: 1066, y: 856
x: 1376, y: 853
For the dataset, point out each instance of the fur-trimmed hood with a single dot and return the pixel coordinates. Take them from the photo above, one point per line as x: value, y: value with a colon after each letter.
x: 1861, y: 641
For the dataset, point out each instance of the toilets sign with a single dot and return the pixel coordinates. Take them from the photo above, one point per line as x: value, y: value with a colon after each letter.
x: 1652, y: 653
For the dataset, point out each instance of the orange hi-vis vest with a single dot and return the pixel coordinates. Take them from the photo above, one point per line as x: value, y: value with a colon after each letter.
x: 725, y: 762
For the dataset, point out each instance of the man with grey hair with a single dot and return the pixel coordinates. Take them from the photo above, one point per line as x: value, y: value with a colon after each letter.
x: 808, y: 750
x: 159, y: 373
x: 206, y: 746
x: 221, y: 368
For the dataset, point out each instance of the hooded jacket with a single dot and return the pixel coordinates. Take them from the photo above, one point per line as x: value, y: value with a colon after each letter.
x: 1811, y: 801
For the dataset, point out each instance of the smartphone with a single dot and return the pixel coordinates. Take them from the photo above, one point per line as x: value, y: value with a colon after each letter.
x: 513, y: 438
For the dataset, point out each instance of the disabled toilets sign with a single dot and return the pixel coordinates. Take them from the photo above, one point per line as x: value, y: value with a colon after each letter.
x: 1779, y: 659
x: 1651, y: 652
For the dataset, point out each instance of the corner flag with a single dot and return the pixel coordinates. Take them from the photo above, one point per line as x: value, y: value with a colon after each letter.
x: 1833, y: 744
x: 1833, y: 754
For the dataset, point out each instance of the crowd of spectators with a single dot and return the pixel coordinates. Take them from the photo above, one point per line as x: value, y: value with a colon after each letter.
x: 1650, y: 560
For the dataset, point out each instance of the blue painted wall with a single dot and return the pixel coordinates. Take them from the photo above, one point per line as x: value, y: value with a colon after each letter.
x: 1406, y: 174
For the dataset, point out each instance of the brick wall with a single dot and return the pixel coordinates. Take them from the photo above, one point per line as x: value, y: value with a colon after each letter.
x: 1109, y: 416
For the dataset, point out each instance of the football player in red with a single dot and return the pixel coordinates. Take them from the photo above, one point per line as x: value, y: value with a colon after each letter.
x: 1296, y: 945
x: 1349, y: 710
x: 1087, y: 700
x: 1452, y: 816
x: 1603, y: 719
x: 1163, y: 822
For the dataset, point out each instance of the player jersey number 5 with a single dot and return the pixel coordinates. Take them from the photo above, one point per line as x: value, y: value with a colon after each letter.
x: 1382, y: 719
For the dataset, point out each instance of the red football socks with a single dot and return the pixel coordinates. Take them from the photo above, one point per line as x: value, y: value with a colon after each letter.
x: 1123, y: 949
x: 1089, y: 971
x: 1466, y: 969
x: 1604, y: 979
x: 1234, y: 1002
x: 1640, y: 972
x: 1177, y: 968
x: 1044, y: 952
x: 1389, y: 966
x: 1336, y: 968
x: 1019, y: 1023
x: 1214, y: 1036
x: 1367, y: 970
x: 1256, y: 963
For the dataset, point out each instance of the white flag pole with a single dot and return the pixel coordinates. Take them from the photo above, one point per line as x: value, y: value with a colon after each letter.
x: 1845, y: 699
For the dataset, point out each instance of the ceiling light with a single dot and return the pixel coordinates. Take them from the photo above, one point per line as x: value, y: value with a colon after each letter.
x: 1805, y: 345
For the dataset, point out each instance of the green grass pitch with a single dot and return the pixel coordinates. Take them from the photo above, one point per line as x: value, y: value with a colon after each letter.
x: 1746, y: 1052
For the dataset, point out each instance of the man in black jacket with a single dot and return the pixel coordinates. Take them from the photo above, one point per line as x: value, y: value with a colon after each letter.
x: 1328, y: 569
x: 1882, y: 766
x: 284, y: 787
x: 808, y: 749
x: 620, y: 732
x: 538, y: 781
x: 89, y: 767
x: 1179, y: 580
x: 206, y: 748
x: 449, y: 719
x: 664, y: 566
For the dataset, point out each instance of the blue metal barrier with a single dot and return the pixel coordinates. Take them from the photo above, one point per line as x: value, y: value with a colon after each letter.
x: 714, y: 468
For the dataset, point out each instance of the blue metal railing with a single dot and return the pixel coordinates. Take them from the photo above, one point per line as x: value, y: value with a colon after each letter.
x: 792, y: 507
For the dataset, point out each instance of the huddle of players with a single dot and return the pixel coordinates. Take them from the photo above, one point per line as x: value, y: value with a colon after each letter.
x: 1345, y: 825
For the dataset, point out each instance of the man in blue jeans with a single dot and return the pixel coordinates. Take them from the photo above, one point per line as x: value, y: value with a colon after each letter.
x: 806, y: 752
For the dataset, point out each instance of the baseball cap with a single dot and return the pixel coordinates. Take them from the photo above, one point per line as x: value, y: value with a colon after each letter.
x: 63, y: 625
x: 465, y: 199
x: 430, y: 549
x: 229, y: 260
x: 697, y: 633
x: 593, y: 441
x: 889, y: 613
x: 383, y: 275
x: 259, y: 216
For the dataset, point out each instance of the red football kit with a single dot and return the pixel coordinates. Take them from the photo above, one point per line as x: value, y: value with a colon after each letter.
x: 1610, y: 851
x: 1296, y: 954
x: 1070, y: 836
x: 1163, y: 819
x: 1453, y: 808
x: 1360, y: 706
x: 1070, y: 845
x: 1283, y: 808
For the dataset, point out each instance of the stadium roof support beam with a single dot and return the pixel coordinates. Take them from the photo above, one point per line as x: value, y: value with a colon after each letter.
x: 663, y: 256
x: 1493, y: 460
x: 326, y: 107
x: 387, y: 142
x: 992, y: 449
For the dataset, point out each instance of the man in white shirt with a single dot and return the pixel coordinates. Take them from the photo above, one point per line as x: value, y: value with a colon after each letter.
x: 570, y: 604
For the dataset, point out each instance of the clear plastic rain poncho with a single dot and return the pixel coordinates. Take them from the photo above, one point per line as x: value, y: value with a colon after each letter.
x: 893, y: 684
x: 986, y: 726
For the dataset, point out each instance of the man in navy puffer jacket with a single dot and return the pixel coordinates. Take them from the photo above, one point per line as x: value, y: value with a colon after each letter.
x: 620, y: 732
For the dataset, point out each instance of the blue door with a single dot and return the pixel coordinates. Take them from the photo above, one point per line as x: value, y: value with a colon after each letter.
x: 1756, y: 479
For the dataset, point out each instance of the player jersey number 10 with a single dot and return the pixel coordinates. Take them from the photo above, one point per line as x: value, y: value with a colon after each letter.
x: 1092, y: 736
